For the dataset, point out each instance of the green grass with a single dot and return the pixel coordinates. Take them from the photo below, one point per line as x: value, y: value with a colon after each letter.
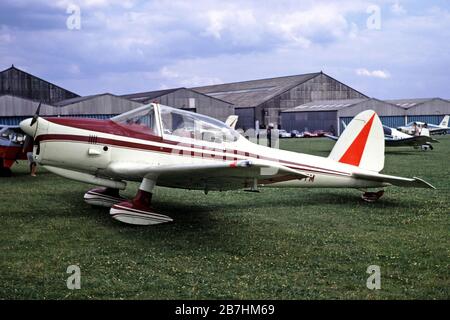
x: 278, y: 244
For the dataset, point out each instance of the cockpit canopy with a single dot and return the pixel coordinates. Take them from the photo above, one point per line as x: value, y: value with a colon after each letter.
x: 176, y: 124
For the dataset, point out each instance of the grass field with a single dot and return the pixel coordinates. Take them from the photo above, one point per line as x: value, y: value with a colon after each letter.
x: 278, y: 244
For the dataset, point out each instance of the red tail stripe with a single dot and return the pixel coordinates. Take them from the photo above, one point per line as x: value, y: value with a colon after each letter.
x: 354, y: 153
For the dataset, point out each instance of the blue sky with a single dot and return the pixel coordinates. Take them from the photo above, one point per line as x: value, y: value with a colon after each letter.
x: 130, y: 46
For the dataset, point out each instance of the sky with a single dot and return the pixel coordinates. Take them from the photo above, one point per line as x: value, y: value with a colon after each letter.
x: 386, y: 49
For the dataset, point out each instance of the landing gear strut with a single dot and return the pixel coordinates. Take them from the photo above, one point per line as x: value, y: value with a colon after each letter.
x: 138, y: 211
x: 372, y: 196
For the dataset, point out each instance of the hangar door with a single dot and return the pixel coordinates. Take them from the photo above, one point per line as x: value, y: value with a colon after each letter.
x: 309, y: 120
x: 390, y: 121
x: 433, y: 119
x: 246, y: 118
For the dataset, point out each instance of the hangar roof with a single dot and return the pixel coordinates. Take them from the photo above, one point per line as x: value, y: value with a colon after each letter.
x: 81, y: 99
x: 144, y: 96
x: 409, y: 103
x: 326, y: 105
x: 254, y: 92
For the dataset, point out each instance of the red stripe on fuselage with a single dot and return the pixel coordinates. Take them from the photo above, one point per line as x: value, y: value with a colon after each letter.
x: 129, y: 131
x: 355, y: 152
x: 147, y: 147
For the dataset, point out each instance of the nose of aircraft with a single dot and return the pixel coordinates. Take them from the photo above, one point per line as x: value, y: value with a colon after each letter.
x: 26, y: 126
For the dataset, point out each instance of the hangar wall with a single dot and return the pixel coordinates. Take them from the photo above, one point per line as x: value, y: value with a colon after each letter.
x: 246, y: 118
x: 96, y: 106
x: 320, y: 87
x: 189, y: 99
x: 309, y: 120
x: 16, y: 82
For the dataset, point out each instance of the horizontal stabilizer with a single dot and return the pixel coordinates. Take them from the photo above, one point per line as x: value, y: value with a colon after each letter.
x: 396, y: 181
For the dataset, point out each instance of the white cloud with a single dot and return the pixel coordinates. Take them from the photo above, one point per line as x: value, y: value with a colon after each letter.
x: 397, y: 8
x: 322, y: 21
x: 126, y: 44
x: 240, y: 26
x: 172, y: 78
x: 382, y: 74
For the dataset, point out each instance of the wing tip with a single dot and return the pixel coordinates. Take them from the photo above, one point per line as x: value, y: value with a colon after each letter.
x: 424, y: 183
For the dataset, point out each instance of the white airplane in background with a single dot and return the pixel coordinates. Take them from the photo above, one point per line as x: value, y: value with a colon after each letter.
x: 231, y: 121
x: 160, y: 145
x: 441, y: 128
x: 396, y: 138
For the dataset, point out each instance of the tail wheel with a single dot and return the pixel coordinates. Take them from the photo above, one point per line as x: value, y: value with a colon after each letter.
x: 372, y: 196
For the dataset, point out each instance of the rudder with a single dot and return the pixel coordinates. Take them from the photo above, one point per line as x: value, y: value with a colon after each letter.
x: 362, y: 143
x: 444, y: 122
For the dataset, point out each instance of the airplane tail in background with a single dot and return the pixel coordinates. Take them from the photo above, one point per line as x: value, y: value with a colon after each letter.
x: 231, y: 121
x: 362, y: 143
x: 444, y: 122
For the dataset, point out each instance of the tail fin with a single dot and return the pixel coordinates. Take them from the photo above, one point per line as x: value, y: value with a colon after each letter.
x: 231, y: 121
x: 444, y: 122
x: 362, y: 143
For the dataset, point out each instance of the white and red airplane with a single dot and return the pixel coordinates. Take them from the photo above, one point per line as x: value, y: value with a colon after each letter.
x: 160, y: 145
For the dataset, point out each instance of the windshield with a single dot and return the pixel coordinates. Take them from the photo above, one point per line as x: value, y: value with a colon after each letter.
x: 142, y: 119
x: 176, y: 123
x: 180, y: 123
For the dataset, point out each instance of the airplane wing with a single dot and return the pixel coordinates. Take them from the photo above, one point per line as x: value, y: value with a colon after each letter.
x: 330, y: 136
x: 393, y: 180
x: 437, y: 130
x: 412, y: 141
x: 208, y: 176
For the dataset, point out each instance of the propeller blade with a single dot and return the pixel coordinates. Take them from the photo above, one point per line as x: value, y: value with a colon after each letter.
x: 36, y: 114
x: 27, y: 142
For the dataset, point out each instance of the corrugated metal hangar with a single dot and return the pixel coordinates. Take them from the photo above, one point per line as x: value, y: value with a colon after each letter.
x: 16, y: 82
x: 263, y: 100
x: 330, y: 114
x: 313, y: 101
x: 188, y: 99
x: 14, y: 109
x: 21, y: 92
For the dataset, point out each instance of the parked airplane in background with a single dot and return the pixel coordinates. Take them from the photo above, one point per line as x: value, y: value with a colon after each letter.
x: 160, y: 145
x: 231, y: 121
x: 395, y: 138
x: 412, y: 127
x: 12, y: 139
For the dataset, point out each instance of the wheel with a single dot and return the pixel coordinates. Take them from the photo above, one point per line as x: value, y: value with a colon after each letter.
x: 5, y: 172
x: 372, y: 196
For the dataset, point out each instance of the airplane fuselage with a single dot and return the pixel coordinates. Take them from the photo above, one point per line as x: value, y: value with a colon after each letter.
x: 90, y: 146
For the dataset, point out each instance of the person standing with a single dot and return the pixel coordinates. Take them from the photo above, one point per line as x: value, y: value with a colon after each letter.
x: 28, y: 149
x: 269, y: 135
x: 31, y: 163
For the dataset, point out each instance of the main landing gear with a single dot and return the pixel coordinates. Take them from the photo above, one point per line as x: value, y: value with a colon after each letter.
x: 103, y: 197
x: 372, y: 196
x: 137, y: 211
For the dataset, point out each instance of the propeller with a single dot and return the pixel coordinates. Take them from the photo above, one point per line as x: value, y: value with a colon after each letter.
x: 26, y: 144
x: 36, y: 114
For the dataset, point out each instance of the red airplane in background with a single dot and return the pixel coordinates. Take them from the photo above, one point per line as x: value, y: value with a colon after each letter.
x: 12, y: 141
